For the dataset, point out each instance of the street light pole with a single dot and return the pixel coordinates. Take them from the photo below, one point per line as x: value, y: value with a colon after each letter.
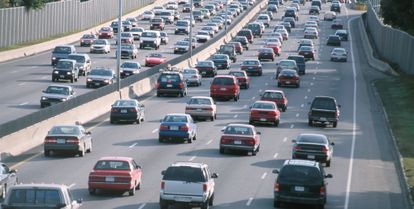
x: 118, y: 50
x: 227, y: 15
x: 191, y: 33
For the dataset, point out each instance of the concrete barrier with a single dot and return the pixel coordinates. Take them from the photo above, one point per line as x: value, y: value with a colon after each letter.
x: 33, y: 136
x: 48, y: 45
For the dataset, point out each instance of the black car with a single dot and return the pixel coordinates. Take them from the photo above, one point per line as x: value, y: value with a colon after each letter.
x: 315, y: 147
x: 288, y: 26
x: 221, y: 61
x: 65, y: 69
x: 343, y: 34
x: 336, y: 8
x: 171, y: 83
x: 8, y: 178
x: 301, y: 181
x: 129, y: 110
x: 256, y: 29
x: 206, y: 68
x: 272, y: 8
x: 100, y: 76
x: 291, y: 20
x: 291, y: 13
x: 314, y: 10
x: 333, y: 40
x: 324, y: 110
x: 68, y: 138
x: 300, y: 62
x: 243, y: 40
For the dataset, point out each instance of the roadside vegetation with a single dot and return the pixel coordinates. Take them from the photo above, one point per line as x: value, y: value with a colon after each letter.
x: 399, y: 14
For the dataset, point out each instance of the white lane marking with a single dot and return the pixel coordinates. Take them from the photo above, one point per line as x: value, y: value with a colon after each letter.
x: 260, y: 90
x: 297, y: 115
x: 245, y: 107
x: 275, y: 155
x: 192, y: 158
x: 155, y: 130
x: 44, y: 77
x: 21, y: 84
x: 142, y: 206
x: 314, y: 78
x: 209, y: 142
x: 306, y: 97
x: 14, y: 71
x: 235, y: 116
x: 266, y: 84
x: 133, y: 145
x: 311, y: 83
x: 302, y: 105
x: 285, y: 139
x: 249, y: 202
x: 309, y: 90
x: 292, y: 126
x: 264, y: 175
x: 72, y: 185
x: 314, y: 72
x: 24, y: 103
x: 351, y: 161
x: 253, y: 98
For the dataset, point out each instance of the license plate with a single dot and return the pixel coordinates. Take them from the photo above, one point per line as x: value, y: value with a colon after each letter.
x: 312, y: 157
x: 174, y: 128
x: 262, y: 119
x: 199, y: 109
x: 223, y: 89
x: 250, y: 67
x: 237, y: 142
x: 109, y: 179
x: 299, y: 189
x: 62, y: 76
x: 203, y: 73
x: 322, y: 119
x: 97, y: 84
x: 124, y: 111
x: 169, y: 85
x: 287, y: 82
x: 127, y: 74
x: 61, y: 141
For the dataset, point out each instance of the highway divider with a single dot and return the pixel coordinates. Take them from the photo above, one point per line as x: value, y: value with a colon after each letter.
x: 29, y: 131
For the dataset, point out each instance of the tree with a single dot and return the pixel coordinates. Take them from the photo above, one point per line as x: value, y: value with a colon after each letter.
x: 33, y: 4
x: 399, y: 14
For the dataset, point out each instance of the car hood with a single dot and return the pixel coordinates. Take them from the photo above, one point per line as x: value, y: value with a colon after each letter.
x: 98, y: 45
x: 202, y: 36
x: 55, y: 96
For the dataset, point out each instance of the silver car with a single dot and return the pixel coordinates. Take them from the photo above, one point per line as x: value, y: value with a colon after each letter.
x: 192, y: 76
x: 339, y: 54
x: 201, y: 107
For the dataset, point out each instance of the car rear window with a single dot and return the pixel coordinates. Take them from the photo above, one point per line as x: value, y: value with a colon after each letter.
x: 175, y: 118
x: 124, y: 103
x: 129, y: 65
x: 223, y: 81
x: 324, y: 103
x: 300, y: 174
x: 238, y: 74
x: 200, y: 101
x: 253, y: 62
x: 169, y: 78
x: 111, y: 165
x: 103, y: 42
x: 184, y: 173
x: 34, y: 197
x: 288, y: 73
x: 239, y: 130
x: 272, y: 95
x: 70, y: 130
x: 313, y: 139
x: 262, y: 105
x: 63, y: 50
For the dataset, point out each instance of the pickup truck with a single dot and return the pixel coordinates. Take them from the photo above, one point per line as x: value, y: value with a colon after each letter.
x: 150, y: 38
x: 230, y: 50
x: 187, y: 183
x: 324, y: 110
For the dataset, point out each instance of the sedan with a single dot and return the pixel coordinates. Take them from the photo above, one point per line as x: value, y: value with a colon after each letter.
x: 242, y: 78
x: 106, y: 32
x: 129, y: 110
x: 177, y: 126
x: 192, y: 76
x: 148, y: 15
x: 311, y: 33
x: 286, y: 64
x: 8, y: 178
x: 87, y: 39
x: 240, y: 137
x: 129, y: 68
x: 202, y: 36
x: 56, y: 94
x: 339, y: 54
x: 181, y: 47
x: 101, y: 46
x: 333, y: 40
x: 276, y: 96
x: 115, y: 174
x: 313, y: 147
x: 243, y: 40
x: 221, y: 61
x: 238, y: 46
x: 100, y: 76
x: 275, y: 46
x: 288, y: 77
x: 201, y: 107
x: 329, y: 16
x: 343, y: 34
x: 284, y: 33
x: 266, y: 54
x: 68, y: 138
x: 308, y: 52
x: 337, y: 24
x: 264, y: 112
x: 207, y: 68
x: 252, y: 66
x: 128, y: 51
x: 136, y: 32
x: 154, y: 59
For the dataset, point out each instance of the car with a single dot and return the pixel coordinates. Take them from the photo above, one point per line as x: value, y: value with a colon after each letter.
x: 264, y: 112
x: 164, y: 38
x: 154, y: 59
x: 290, y: 20
x: 335, y: 8
x: 287, y: 26
x: 187, y: 8
x: 289, y: 12
x: 167, y: 16
x: 324, y: 110
x: 114, y: 173
x: 8, y: 178
x: 243, y: 41
x: 265, y: 19
x: 238, y: 45
x: 221, y: 61
x: 286, y: 64
x: 128, y: 51
x: 246, y: 33
x: 192, y: 76
x: 177, y: 126
x: 198, y: 15
x: 127, y: 25
x: 288, y: 77
x: 314, y: 18
x: 100, y: 76
x: 201, y: 107
x: 266, y: 54
x: 339, y: 54
x: 126, y: 38
x: 337, y: 24
x: 105, y: 33
x: 307, y: 52
x: 297, y: 176
x: 182, y: 27
x: 171, y: 83
x: 61, y: 52
x: 181, y: 47
x: 83, y: 62
x: 256, y: 29
x: 150, y: 38
x: 133, y: 21
x: 252, y: 66
x: 311, y: 33
x: 187, y: 184
x: 147, y: 15
x: 172, y: 5
x: 275, y: 45
x: 309, y: 146
x: 278, y: 36
x: 240, y: 137
x: 209, y: 29
x: 230, y: 50
x: 54, y: 94
x: 305, y: 42
x: 317, y: 3
x: 214, y: 26
x: 206, y: 13
x: 329, y: 16
x: 65, y: 69
x: 276, y: 96
x: 272, y: 8
x: 333, y: 40
x: 100, y: 46
x: 300, y: 62
x: 343, y: 34
x: 242, y: 78
x: 157, y: 10
x: 68, y: 138
x: 87, y: 39
x: 295, y: 5
x: 157, y: 23
x: 314, y: 10
x: 206, y: 68
x: 128, y: 110
x: 114, y: 26
x: 218, y: 21
x: 284, y: 33
x: 311, y: 23
x: 193, y: 42
x: 203, y: 36
x: 225, y: 86
x: 129, y: 68
x: 25, y: 196
x: 183, y: 2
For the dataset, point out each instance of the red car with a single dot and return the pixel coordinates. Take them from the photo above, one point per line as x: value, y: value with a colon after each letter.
x: 276, y: 48
x: 238, y: 46
x: 105, y: 32
x: 288, y: 77
x: 154, y: 59
x: 308, y: 52
x: 264, y: 112
x: 115, y: 173
x: 276, y: 96
x: 242, y: 78
x: 240, y: 137
x: 87, y: 39
x: 266, y: 54
x: 225, y: 86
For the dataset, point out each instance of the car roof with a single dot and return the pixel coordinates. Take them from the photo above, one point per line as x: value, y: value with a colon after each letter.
x: 39, y: 185
x: 116, y: 158
x: 200, y: 97
x: 224, y: 76
x: 301, y: 163
x: 177, y: 114
x: 274, y: 91
x: 188, y: 164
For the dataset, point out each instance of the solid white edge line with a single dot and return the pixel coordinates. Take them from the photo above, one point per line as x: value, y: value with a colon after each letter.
x: 24, y: 103
x: 192, y: 158
x: 275, y: 155
x: 292, y: 126
x: 235, y: 116
x: 285, y: 139
x: 133, y: 145
x: 209, y: 142
x: 249, y: 202
x: 142, y: 206
x: 264, y: 175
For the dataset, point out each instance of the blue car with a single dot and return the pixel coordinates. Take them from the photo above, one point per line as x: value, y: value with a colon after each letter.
x: 177, y: 126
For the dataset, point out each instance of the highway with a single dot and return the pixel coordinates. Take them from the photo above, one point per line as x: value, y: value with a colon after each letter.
x: 363, y: 167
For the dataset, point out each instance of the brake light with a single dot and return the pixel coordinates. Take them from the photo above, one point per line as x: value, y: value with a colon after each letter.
x: 209, y: 109
x: 322, y: 190
x: 157, y: 85
x: 72, y: 141
x: 251, y: 142
x: 224, y: 141
x: 163, y: 127
x: 324, y: 149
x: 181, y: 85
x: 277, y: 187
x: 50, y: 140
x: 162, y: 184
x: 114, y: 110
x: 184, y: 128
x: 272, y: 113
x: 132, y: 110
x: 205, y: 187
x: 254, y: 112
x: 296, y: 148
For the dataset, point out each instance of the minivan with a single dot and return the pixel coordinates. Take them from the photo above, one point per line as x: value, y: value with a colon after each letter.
x: 171, y: 83
x: 225, y: 86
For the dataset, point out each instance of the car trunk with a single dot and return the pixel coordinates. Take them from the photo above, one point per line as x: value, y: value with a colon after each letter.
x: 183, y: 188
x: 110, y: 176
x: 323, y: 113
x: 237, y: 140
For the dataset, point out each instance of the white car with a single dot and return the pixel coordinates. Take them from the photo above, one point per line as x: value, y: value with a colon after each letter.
x: 136, y: 32
x: 209, y: 29
x: 183, y: 2
x: 147, y: 15
x: 203, y: 36
x: 264, y: 18
x: 329, y: 16
x: 311, y: 32
x: 172, y: 5
x: 284, y: 33
x: 311, y: 24
x: 313, y: 18
x: 339, y: 54
x: 191, y: 76
x: 214, y: 26
x: 277, y: 35
x: 100, y: 46
x: 201, y: 107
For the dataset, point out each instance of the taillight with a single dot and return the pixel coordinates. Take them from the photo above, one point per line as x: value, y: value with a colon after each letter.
x: 272, y: 113
x: 296, y: 148
x: 163, y: 127
x: 133, y: 110
x: 184, y: 128
x: 254, y: 112
x: 181, y: 85
x: 277, y: 187
x: 72, y: 141
x: 162, y: 184
x: 251, y: 142
x: 114, y: 110
x: 224, y: 141
x: 322, y: 190
x: 210, y: 109
x: 50, y: 140
x: 324, y: 149
x: 194, y: 76
x: 205, y: 187
x: 296, y: 78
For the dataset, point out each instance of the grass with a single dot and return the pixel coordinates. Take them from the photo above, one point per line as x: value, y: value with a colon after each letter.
x: 397, y: 95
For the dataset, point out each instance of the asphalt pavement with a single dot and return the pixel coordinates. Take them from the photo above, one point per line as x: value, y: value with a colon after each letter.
x: 363, y: 167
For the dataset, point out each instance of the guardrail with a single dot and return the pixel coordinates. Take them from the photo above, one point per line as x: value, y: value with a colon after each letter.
x: 29, y: 131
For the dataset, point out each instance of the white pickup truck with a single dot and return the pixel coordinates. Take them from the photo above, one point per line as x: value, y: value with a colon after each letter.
x: 150, y: 38
x: 187, y: 183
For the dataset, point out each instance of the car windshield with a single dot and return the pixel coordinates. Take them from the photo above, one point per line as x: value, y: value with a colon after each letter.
x: 62, y: 50
x: 184, y: 173
x: 34, y: 196
x: 112, y: 165
x: 100, y: 72
x: 243, y: 33
x: 300, y: 174
x: 125, y: 103
x: 165, y: 14
x: 79, y: 59
x: 202, y: 33
x: 149, y: 34
x: 69, y: 130
x: 182, y: 43
x: 88, y: 36
x: 262, y: 17
x: 199, y: 101
x: 239, y: 130
x: 182, y: 23
x: 298, y: 59
x: 175, y: 118
x: 238, y: 74
x: 250, y: 62
x: 305, y: 48
x: 338, y: 51
x: 287, y: 64
x: 324, y: 103
x: 223, y: 81
x: 156, y: 55
x: 57, y: 90
x: 64, y: 65
x: 218, y: 57
x: 127, y: 47
x: 130, y: 65
x: 262, y: 105
x: 273, y: 95
x: 126, y: 35
x: 106, y: 29
x: 100, y: 42
x: 264, y: 50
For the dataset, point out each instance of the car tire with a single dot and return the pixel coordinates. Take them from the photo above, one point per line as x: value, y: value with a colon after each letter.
x: 53, y: 79
x: 211, y: 200
x: 276, y: 204
x: 310, y: 123
x: 190, y: 140
x: 72, y: 80
x: 82, y: 152
x: 90, y: 148
x: 163, y: 204
x: 47, y: 153
x: 221, y: 150
x: 334, y: 124
x: 277, y: 123
x: 132, y: 191
x: 236, y: 98
x: 251, y: 122
x: 92, y: 191
x: 328, y: 163
x: 212, y: 118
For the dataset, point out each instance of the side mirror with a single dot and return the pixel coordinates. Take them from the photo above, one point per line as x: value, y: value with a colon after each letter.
x: 214, y: 175
x: 276, y: 171
x: 13, y: 171
x: 223, y: 129
x: 258, y: 133
x: 79, y: 201
x: 88, y: 132
x: 141, y: 105
x: 332, y: 143
x: 163, y: 173
x: 293, y: 140
x: 329, y: 176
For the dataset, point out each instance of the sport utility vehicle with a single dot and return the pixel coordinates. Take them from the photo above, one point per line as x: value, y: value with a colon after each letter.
x: 225, y: 86
x: 300, y: 62
x: 187, y: 183
x: 62, y: 52
x: 230, y: 50
x: 300, y: 181
x: 171, y: 83
x: 150, y: 38
x: 83, y: 62
x: 65, y: 69
x: 29, y: 196
x: 324, y: 110
x: 157, y: 23
x: 182, y: 27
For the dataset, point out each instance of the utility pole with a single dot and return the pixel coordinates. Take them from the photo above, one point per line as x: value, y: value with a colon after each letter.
x: 191, y: 33
x: 227, y: 15
x: 118, y: 50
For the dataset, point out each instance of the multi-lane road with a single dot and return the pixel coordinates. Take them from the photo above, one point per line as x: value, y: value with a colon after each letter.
x: 363, y: 166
